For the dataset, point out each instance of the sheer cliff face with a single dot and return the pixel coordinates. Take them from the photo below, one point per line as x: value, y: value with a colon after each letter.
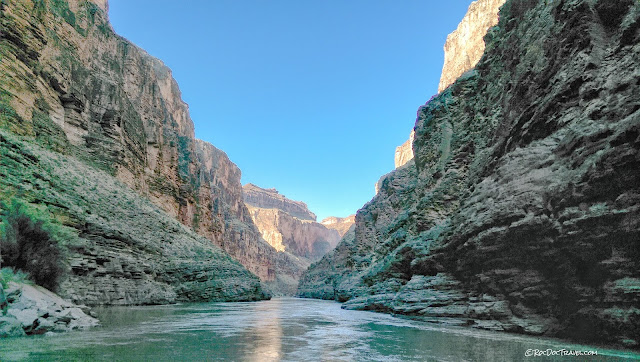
x: 519, y: 211
x: 76, y: 87
x: 465, y: 45
x: 271, y: 199
x: 404, y: 152
x: 304, y: 238
x: 340, y: 224
x: 236, y: 233
x: 71, y: 85
x: 462, y: 51
x: 284, y: 231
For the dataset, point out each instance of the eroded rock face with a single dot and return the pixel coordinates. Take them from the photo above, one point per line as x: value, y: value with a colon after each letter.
x: 75, y: 86
x: 271, y: 199
x: 236, y: 232
x: 520, y: 209
x: 275, y: 217
x: 71, y: 85
x: 340, y: 224
x: 465, y: 45
x: 120, y: 248
x: 36, y: 310
x: 404, y: 152
x: 284, y: 232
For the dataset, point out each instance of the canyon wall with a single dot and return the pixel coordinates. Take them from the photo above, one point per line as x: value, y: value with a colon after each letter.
x: 465, y: 45
x: 462, y: 51
x: 340, y: 224
x: 236, y: 233
x: 76, y: 87
x: 118, y: 247
x: 519, y: 211
x: 72, y: 86
x: 271, y: 199
x: 404, y: 152
x: 284, y: 231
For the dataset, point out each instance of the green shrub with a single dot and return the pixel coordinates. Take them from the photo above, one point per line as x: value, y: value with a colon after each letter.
x: 8, y: 275
x: 28, y: 244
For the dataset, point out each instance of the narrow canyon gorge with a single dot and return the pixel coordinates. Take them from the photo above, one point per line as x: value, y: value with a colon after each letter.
x: 95, y: 136
x: 513, y: 206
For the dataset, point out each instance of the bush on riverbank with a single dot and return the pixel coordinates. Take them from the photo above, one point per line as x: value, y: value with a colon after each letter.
x: 28, y: 243
x: 8, y: 275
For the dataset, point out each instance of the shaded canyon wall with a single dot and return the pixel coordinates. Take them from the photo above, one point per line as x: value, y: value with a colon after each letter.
x: 110, y: 111
x: 519, y: 211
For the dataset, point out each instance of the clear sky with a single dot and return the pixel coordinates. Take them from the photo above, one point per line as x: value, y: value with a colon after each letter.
x: 309, y: 97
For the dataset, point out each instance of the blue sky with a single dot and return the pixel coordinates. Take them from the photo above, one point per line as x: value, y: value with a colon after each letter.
x: 309, y: 97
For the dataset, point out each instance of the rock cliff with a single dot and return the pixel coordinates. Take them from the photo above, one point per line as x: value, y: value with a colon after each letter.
x: 113, y: 116
x: 340, y: 224
x: 236, y: 232
x: 465, y: 45
x: 520, y: 209
x: 120, y: 249
x: 76, y: 87
x: 404, y: 152
x: 271, y: 199
x: 304, y: 237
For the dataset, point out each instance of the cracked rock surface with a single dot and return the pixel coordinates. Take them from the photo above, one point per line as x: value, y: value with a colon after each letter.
x: 520, y: 211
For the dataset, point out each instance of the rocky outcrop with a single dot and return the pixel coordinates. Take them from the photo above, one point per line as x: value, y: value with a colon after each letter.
x: 76, y: 87
x: 465, y: 45
x: 35, y: 310
x: 236, y: 232
x: 404, y: 152
x: 340, y: 224
x: 462, y: 51
x: 519, y: 211
x: 120, y: 248
x: 271, y: 199
x: 113, y: 116
x: 304, y: 238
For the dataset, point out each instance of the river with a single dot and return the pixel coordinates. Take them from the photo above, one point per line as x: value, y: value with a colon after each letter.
x: 282, y: 329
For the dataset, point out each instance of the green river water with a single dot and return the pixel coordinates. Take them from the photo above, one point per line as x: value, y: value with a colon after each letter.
x: 282, y: 329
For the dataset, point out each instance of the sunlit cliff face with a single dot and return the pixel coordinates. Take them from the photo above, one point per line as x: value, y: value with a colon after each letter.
x: 465, y: 45
x: 288, y: 225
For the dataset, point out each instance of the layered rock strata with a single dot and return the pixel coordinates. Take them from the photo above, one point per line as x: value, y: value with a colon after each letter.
x: 462, y: 51
x: 120, y: 249
x: 284, y: 231
x: 271, y: 199
x: 34, y: 310
x: 73, y: 86
x: 236, y: 232
x: 340, y: 224
x: 520, y: 209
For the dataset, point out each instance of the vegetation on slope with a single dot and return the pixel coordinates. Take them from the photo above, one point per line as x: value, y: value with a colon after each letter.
x: 29, y: 244
x: 119, y: 248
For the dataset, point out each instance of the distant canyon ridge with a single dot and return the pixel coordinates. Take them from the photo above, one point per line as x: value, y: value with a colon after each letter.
x: 289, y: 226
x: 94, y: 134
x: 513, y: 206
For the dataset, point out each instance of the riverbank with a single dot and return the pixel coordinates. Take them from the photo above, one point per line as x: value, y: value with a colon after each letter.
x: 31, y: 310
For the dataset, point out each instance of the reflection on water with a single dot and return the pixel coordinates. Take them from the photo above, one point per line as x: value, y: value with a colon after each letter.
x: 268, y: 333
x: 285, y: 329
